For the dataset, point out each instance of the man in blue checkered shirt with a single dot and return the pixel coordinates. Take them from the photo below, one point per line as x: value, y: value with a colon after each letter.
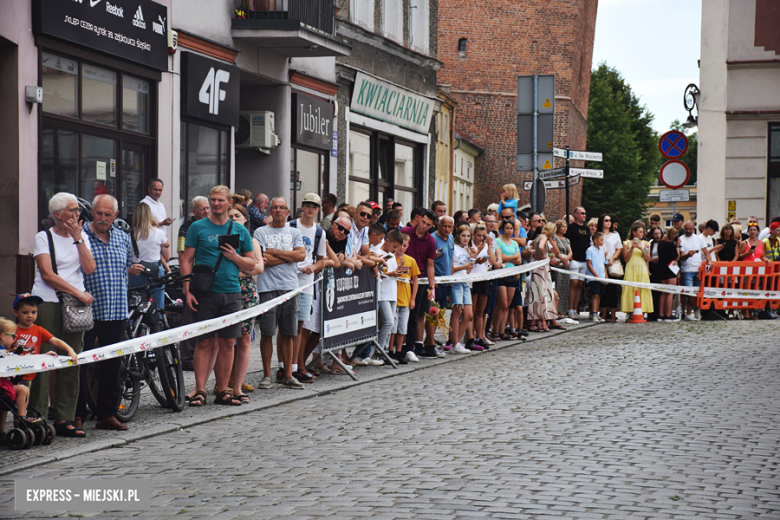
x: 108, y: 285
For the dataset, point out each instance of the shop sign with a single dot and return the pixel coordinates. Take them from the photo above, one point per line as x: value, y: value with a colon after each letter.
x: 312, y: 122
x: 381, y: 100
x: 210, y: 89
x: 134, y: 30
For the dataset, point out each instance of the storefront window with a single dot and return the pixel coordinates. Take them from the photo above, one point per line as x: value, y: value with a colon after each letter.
x: 204, y: 161
x: 60, y: 83
x: 98, y: 100
x: 135, y: 104
x: 59, y: 166
x: 310, y: 169
x: 773, y: 177
x: 96, y: 156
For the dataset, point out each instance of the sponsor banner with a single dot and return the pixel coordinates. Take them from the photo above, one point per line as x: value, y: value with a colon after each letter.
x: 707, y: 292
x: 20, y: 365
x: 349, y: 306
x: 490, y: 275
x: 136, y: 30
x: 381, y: 100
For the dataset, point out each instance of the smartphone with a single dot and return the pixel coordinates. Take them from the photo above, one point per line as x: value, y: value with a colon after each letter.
x: 387, y: 257
x: 232, y: 240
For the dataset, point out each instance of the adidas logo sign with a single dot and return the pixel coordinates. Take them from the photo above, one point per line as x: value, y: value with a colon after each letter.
x: 138, y: 19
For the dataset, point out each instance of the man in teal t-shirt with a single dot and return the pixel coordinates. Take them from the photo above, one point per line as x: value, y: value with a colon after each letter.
x: 201, y: 247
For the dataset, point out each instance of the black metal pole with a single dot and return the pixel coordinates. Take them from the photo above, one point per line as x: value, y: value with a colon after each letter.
x: 566, y: 181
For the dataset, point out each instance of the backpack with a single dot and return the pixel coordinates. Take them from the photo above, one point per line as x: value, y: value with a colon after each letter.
x: 317, y: 238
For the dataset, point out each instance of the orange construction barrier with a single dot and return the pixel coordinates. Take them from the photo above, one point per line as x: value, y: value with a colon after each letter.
x: 720, y: 286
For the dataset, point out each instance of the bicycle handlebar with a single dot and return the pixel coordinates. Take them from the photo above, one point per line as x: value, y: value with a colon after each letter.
x: 159, y: 282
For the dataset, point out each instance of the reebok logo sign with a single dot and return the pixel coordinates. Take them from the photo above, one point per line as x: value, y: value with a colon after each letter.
x: 138, y: 19
x: 116, y: 11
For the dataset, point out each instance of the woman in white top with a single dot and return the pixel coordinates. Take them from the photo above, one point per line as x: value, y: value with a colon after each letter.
x: 150, y: 244
x: 463, y: 261
x: 486, y: 257
x: 613, y: 248
x: 73, y: 258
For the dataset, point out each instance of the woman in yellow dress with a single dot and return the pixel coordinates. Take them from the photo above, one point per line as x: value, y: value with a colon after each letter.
x: 636, y: 254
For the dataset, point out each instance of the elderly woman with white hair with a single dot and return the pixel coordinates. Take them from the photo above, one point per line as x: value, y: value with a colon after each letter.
x: 73, y: 259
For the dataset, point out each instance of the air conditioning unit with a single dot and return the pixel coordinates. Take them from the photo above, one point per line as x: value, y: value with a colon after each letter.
x: 256, y: 130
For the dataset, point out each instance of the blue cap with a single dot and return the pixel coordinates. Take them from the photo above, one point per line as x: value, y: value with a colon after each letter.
x: 678, y: 217
x: 29, y: 298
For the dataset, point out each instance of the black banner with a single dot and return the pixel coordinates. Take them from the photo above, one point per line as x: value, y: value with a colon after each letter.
x: 312, y: 122
x: 349, y: 306
x: 136, y: 30
x: 210, y: 89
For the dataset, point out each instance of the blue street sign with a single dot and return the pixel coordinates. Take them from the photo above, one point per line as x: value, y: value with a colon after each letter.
x: 673, y: 144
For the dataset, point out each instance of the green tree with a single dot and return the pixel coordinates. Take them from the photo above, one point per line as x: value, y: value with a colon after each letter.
x: 691, y: 155
x: 621, y: 129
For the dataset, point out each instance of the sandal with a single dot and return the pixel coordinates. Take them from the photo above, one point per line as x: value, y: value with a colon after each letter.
x: 561, y: 327
x: 505, y: 337
x: 67, y: 429
x: 243, y: 398
x: 245, y: 387
x: 533, y: 328
x: 226, y: 398
x: 199, y: 399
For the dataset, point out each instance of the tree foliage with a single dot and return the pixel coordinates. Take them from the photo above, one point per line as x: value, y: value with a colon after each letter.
x: 621, y: 129
x: 691, y: 155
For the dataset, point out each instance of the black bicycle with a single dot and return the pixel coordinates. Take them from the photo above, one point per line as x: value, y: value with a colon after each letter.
x: 159, y: 368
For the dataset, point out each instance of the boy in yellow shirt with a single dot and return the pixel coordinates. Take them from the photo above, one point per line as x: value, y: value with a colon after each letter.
x: 408, y: 272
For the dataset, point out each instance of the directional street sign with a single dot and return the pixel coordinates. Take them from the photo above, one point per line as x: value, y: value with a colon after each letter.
x: 673, y: 144
x: 674, y: 195
x: 584, y: 172
x: 549, y: 174
x: 552, y: 185
x: 585, y: 156
x: 559, y: 152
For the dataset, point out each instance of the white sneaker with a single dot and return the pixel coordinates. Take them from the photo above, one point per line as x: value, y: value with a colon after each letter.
x: 688, y: 317
x: 363, y: 362
x: 440, y: 353
x: 460, y: 349
x: 375, y: 362
x: 595, y: 318
x: 573, y: 314
x: 411, y: 357
x: 697, y: 314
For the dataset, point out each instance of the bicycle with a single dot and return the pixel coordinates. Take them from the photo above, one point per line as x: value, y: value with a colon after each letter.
x: 160, y: 368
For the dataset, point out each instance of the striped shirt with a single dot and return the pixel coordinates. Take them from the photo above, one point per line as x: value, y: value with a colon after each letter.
x: 108, y: 283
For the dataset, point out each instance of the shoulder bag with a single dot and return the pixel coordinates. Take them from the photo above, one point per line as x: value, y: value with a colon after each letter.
x: 76, y: 317
x: 203, y: 275
x: 150, y: 268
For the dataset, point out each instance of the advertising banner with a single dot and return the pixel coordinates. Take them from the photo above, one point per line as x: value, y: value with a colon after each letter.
x: 349, y: 306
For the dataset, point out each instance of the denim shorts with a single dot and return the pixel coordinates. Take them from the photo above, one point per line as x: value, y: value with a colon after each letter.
x: 401, y: 320
x: 689, y: 278
x: 304, y: 306
x: 461, y: 294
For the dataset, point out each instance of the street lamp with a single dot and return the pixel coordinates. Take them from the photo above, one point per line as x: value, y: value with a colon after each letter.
x: 690, y: 99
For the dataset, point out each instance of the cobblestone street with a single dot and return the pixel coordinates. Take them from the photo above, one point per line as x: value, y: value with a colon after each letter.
x: 607, y: 422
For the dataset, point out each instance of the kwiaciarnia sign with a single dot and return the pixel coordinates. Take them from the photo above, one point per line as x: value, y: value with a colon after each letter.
x: 381, y: 100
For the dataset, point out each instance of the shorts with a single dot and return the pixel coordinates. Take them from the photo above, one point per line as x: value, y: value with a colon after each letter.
x: 8, y: 388
x: 312, y: 323
x: 443, y: 295
x: 509, y: 281
x: 484, y: 288
x: 461, y: 294
x: 597, y: 288
x: 401, y: 320
x: 517, y: 299
x: 285, y: 315
x: 304, y: 306
x: 689, y: 278
x: 578, y: 267
x: 215, y: 305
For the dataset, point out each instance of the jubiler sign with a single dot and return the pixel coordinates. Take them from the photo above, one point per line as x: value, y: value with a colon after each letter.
x: 381, y: 100
x: 312, y: 122
x: 134, y: 30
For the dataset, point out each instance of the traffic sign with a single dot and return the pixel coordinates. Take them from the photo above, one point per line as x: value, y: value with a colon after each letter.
x: 675, y: 174
x: 673, y: 144
x: 585, y: 156
x: 545, y: 121
x: 574, y: 179
x: 552, y: 185
x: 584, y: 172
x: 674, y: 195
x: 559, y: 152
x: 549, y: 174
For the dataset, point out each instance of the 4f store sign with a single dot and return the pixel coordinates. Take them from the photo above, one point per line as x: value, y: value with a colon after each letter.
x: 210, y: 89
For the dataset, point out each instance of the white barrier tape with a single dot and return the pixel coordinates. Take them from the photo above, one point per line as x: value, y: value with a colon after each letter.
x: 709, y: 292
x: 490, y: 275
x: 20, y: 365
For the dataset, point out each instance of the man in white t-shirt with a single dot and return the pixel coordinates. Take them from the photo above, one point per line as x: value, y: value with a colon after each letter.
x: 154, y: 191
x: 315, y: 244
x: 693, y: 250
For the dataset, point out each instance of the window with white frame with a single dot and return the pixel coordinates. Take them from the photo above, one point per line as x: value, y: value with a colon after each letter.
x: 362, y: 13
x: 393, y: 20
x: 419, y: 21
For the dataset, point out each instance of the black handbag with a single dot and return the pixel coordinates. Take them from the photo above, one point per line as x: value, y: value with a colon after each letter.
x: 76, y: 317
x: 203, y: 275
x: 150, y: 268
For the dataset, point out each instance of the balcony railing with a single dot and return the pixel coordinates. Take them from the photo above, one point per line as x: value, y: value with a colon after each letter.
x: 267, y: 14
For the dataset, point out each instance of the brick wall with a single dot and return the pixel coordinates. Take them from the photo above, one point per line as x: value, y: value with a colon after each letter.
x: 507, y: 39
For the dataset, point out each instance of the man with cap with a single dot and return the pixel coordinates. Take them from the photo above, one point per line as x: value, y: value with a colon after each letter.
x: 765, y: 232
x: 677, y: 222
x: 315, y: 244
x: 376, y: 210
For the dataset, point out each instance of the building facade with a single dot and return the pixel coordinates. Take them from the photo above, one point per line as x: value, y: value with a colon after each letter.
x: 739, y: 111
x: 484, y: 50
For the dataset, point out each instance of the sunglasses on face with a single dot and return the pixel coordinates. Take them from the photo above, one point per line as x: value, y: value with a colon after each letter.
x: 365, y: 215
x: 342, y: 228
x: 607, y: 220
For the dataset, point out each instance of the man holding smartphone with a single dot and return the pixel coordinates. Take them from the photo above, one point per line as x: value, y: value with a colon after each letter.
x: 154, y: 192
x: 692, y: 249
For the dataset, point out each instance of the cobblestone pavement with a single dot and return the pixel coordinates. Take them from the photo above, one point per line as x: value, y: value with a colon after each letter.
x: 609, y: 422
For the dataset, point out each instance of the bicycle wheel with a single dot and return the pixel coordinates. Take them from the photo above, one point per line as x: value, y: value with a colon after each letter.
x: 155, y: 375
x: 171, y: 376
x: 130, y: 380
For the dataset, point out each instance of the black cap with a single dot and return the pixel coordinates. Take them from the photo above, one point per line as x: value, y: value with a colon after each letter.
x: 522, y: 214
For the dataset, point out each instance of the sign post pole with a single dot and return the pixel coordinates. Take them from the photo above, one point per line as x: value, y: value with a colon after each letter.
x: 534, y: 204
x: 567, y: 183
